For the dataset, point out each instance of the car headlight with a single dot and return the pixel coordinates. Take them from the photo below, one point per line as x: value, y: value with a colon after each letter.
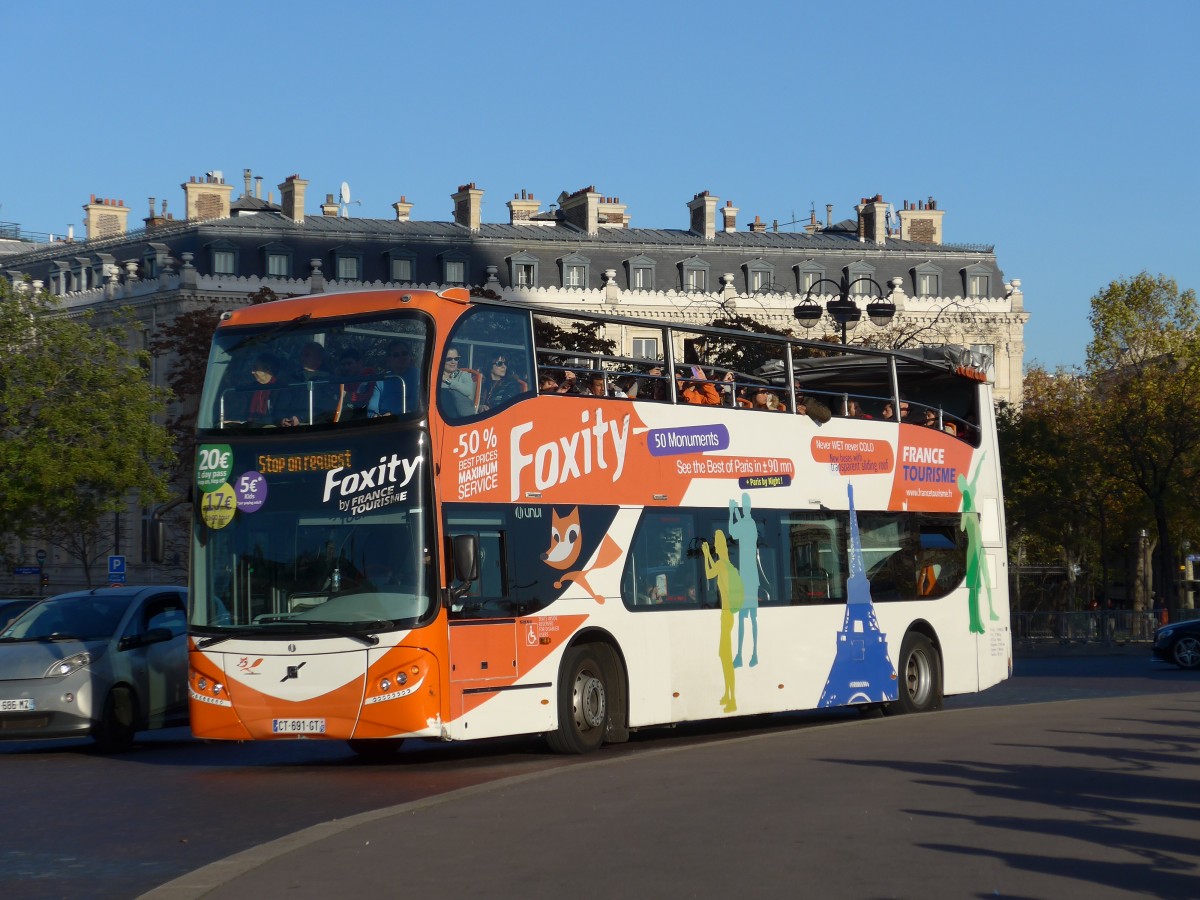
x: 72, y: 663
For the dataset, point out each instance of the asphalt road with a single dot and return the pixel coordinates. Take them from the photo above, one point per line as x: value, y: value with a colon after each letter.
x: 780, y: 799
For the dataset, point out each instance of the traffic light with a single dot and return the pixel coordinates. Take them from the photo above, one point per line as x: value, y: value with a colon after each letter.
x: 45, y: 581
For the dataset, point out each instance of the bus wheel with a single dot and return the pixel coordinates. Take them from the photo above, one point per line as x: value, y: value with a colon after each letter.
x: 116, y: 728
x: 378, y: 749
x: 920, y: 676
x: 582, y: 704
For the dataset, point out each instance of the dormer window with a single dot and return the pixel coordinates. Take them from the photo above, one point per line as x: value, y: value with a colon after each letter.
x: 402, y: 264
x: 455, y: 268
x: 640, y: 272
x: 693, y: 275
x: 927, y: 280
x: 523, y: 270
x: 278, y: 260
x: 347, y: 265
x: 223, y: 257
x: 760, y: 276
x: 808, y: 273
x: 575, y: 271
x: 857, y: 275
x: 977, y: 281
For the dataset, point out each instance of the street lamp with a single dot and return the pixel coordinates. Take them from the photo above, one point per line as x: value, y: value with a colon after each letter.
x: 880, y: 309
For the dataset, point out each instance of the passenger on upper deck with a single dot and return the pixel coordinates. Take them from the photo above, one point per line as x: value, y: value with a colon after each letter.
x: 498, y: 384
x: 697, y: 390
x: 356, y: 393
x: 456, y: 386
x: 765, y: 398
x: 264, y: 371
x: 597, y: 386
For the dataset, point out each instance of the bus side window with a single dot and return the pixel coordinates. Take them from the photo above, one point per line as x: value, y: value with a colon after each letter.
x: 664, y: 568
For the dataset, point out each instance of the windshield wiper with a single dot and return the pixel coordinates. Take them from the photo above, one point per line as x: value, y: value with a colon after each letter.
x: 358, y: 631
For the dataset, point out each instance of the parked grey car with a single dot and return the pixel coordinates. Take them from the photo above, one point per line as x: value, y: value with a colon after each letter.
x: 107, y: 663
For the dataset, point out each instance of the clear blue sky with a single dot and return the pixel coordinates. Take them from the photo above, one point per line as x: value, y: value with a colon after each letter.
x: 1063, y: 133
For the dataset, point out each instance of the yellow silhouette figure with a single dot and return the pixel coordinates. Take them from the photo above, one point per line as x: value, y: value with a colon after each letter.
x: 729, y: 584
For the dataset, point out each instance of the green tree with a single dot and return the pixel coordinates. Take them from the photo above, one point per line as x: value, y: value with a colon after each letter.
x: 78, y: 429
x: 1144, y: 361
x: 1060, y: 496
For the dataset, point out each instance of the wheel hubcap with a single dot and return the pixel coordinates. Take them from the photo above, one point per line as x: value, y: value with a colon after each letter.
x: 917, y: 678
x: 589, y: 701
x: 1187, y: 652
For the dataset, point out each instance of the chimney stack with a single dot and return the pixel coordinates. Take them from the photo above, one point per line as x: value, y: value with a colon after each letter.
x: 291, y: 198
x: 729, y: 214
x: 611, y: 213
x: 329, y: 208
x: 207, y: 197
x: 581, y: 209
x: 758, y: 226
x: 921, y: 222
x: 522, y: 208
x: 403, y: 209
x: 104, y: 218
x: 703, y: 209
x: 468, y: 206
x: 872, y: 220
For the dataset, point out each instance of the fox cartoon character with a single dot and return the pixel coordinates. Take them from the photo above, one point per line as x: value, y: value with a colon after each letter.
x: 566, y: 541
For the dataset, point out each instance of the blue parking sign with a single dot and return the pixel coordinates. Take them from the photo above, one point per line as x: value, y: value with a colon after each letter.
x: 116, y: 566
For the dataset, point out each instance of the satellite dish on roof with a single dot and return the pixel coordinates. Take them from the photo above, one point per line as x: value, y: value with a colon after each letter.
x: 344, y: 198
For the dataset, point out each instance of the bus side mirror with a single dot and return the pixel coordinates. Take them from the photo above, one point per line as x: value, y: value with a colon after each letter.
x: 158, y: 528
x: 465, y: 551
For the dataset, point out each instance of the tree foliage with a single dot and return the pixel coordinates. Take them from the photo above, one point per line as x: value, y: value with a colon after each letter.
x: 1144, y: 363
x: 78, y: 424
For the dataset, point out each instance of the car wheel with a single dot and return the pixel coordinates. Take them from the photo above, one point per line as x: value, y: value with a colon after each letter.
x: 376, y: 749
x: 582, y: 704
x: 920, y: 676
x: 117, y: 726
x: 1185, y: 652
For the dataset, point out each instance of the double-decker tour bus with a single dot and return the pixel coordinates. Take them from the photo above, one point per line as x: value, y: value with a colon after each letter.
x: 433, y: 515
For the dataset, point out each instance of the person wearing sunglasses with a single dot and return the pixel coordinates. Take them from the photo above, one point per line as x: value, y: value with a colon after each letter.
x: 457, y: 389
x: 499, y: 383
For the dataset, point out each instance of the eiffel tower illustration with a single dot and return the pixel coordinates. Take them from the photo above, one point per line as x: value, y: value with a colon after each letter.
x: 862, y: 671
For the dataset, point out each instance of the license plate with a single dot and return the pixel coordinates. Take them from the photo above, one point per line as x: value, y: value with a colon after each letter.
x: 298, y: 726
x: 18, y: 705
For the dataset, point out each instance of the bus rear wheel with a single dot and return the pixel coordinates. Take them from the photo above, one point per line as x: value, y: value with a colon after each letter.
x: 920, y: 676
x: 583, y: 704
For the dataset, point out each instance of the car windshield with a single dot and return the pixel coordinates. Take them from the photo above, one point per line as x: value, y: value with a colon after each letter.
x: 82, y: 617
x: 310, y: 372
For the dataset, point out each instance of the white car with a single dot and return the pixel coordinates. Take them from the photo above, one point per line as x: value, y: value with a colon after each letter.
x: 108, y: 663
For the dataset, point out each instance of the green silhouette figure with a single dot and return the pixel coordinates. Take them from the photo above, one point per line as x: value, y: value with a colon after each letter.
x: 977, y: 571
x: 729, y: 584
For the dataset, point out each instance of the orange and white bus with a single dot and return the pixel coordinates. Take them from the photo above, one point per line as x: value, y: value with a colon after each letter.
x: 410, y: 524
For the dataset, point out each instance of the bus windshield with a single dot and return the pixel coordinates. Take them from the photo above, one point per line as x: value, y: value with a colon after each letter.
x: 308, y: 371
x: 329, y: 535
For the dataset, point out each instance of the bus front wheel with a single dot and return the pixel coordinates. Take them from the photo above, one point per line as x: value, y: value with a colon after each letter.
x: 920, y: 676
x: 583, y: 703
